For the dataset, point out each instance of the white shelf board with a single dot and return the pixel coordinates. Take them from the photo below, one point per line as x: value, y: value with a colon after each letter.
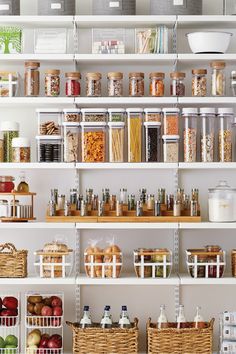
x: 34, y: 280
x: 195, y: 58
x: 164, y: 59
x: 126, y: 166
x: 206, y: 100
x: 125, y: 101
x: 207, y: 225
x: 36, y: 225
x: 127, y: 226
x: 126, y: 280
x: 207, y: 165
x: 37, y: 166
x: 13, y: 58
x: 186, y: 279
x: 38, y: 21
x: 208, y: 21
x: 11, y: 102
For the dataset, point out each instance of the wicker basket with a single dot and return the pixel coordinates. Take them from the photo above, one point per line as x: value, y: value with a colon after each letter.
x: 176, y: 341
x: 13, y: 263
x: 96, y: 340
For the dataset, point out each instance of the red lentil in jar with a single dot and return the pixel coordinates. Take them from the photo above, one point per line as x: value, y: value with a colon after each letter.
x: 157, y: 87
x: 73, y: 88
x: 171, y: 121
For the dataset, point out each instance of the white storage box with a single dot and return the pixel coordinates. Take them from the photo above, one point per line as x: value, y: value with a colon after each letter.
x: 50, y: 40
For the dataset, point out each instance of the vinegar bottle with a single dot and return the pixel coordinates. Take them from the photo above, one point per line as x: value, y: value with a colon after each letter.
x: 162, y: 319
x: 181, y: 317
x: 23, y: 187
x: 198, y: 318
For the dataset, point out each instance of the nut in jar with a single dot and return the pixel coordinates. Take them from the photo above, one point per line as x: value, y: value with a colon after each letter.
x: 136, y: 84
x: 199, y: 83
x: 115, y: 84
x: 93, y: 85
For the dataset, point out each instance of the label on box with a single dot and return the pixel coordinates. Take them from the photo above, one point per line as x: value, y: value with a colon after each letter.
x: 229, y: 333
x: 114, y: 4
x: 228, y: 347
x: 229, y: 318
x: 178, y: 2
x: 4, y: 7
x: 56, y: 6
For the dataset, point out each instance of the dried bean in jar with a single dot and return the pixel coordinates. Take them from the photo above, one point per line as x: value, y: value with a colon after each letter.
x: 190, y: 145
x: 225, y: 146
x: 153, y: 144
x: 52, y: 83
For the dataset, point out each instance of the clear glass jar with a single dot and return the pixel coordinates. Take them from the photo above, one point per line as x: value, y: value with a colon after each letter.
x: 171, y: 121
x: 234, y: 139
x: 116, y: 115
x: 4, y: 208
x: 208, y: 118
x: 157, y: 86
x: 6, y: 184
x: 177, y: 86
x: 49, y: 121
x: 225, y: 136
x: 199, y: 82
x: 136, y: 84
x: 32, y: 79
x: 52, y: 83
x: 152, y: 141
x: 190, y: 116
x: 93, y: 141
x: 115, y: 84
x: 1, y: 147
x: 10, y: 130
x: 20, y: 150
x: 93, y: 85
x: 49, y: 149
x: 116, y: 141
x: 153, y: 115
x: 218, y: 85
x: 73, y: 86
x: 71, y: 115
x: 233, y: 83
x: 222, y: 203
x: 134, y: 120
x: 171, y: 148
x: 71, y: 142
x: 94, y: 115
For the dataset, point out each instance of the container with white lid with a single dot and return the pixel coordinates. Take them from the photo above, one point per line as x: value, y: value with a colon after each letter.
x: 222, y: 203
x: 190, y: 116
x: 152, y: 141
x: 171, y: 148
x: 49, y: 148
x: 10, y: 131
x: 94, y: 115
x: 21, y: 150
x: 1, y: 147
x: 207, y: 137
x: 49, y: 121
x: 134, y: 120
x: 171, y: 121
x: 93, y: 144
x: 152, y: 114
x: 71, y: 115
x: 116, y: 141
x: 71, y: 134
x: 225, y: 135
x: 116, y: 114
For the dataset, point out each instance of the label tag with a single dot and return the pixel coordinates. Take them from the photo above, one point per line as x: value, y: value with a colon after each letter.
x: 56, y: 6
x: 178, y: 2
x: 114, y: 4
x: 4, y: 7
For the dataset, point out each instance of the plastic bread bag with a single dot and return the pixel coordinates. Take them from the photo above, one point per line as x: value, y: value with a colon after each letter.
x: 93, y: 253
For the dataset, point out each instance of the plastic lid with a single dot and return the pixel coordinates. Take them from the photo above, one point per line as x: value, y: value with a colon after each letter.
x: 222, y: 186
x: 116, y: 110
x: 134, y: 110
x: 71, y: 124
x: 170, y: 137
x: 93, y: 124
x: 208, y: 110
x: 93, y: 110
x: 153, y: 124
x: 48, y: 110
x: 116, y: 124
x: 48, y: 137
x: 7, y: 126
x: 225, y: 111
x: 20, y: 142
x: 170, y: 110
x: 152, y: 110
x: 71, y: 110
x: 187, y: 111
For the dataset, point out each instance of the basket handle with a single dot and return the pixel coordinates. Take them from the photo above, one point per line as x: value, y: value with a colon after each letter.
x: 212, y: 323
x: 136, y: 322
x: 70, y: 324
x: 8, y: 246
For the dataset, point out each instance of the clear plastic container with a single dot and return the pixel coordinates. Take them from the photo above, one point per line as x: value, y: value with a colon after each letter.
x: 190, y: 116
x: 9, y: 83
x: 177, y: 87
x: 171, y: 121
x: 21, y: 150
x: 199, y: 82
x: 71, y: 115
x: 136, y: 84
x: 152, y: 141
x: 71, y: 142
x: 93, y: 85
x: 93, y: 141
x: 49, y: 148
x: 73, y: 86
x: 1, y: 147
x: 52, y: 83
x: 94, y: 115
x: 208, y: 119
x: 157, y: 86
x: 225, y: 134
x: 153, y: 115
x: 116, y: 141
x: 10, y: 130
x: 218, y: 85
x: 134, y: 120
x: 115, y: 84
x: 171, y: 148
x: 108, y: 40
x: 32, y: 79
x: 49, y: 121
x: 117, y: 115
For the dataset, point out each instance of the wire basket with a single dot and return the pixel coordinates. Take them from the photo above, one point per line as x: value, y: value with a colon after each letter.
x: 13, y: 262
x: 153, y: 263
x: 53, y: 264
x: 102, y: 264
x: 49, y: 333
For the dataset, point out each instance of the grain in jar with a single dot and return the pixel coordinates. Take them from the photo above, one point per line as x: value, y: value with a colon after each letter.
x: 49, y: 121
x: 190, y: 116
x: 115, y: 84
x: 116, y: 141
x: 1, y: 147
x: 199, y: 82
x: 171, y: 148
x: 52, y: 83
x: 152, y: 141
x: 73, y: 86
x: 136, y: 84
x: 171, y: 121
x: 93, y: 141
x: 71, y: 115
x: 157, y: 86
x: 218, y: 85
x: 177, y: 86
x: 207, y: 138
x: 71, y: 142
x: 134, y: 120
x: 10, y: 131
x: 32, y: 79
x: 153, y: 115
x: 94, y: 115
x: 225, y: 136
x: 20, y: 150
x: 93, y: 85
x: 116, y: 114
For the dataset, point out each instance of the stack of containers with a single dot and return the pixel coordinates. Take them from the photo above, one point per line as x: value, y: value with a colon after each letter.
x: 228, y: 332
x: 116, y: 126
x: 152, y: 127
x: 71, y: 134
x: 134, y: 122
x: 171, y: 135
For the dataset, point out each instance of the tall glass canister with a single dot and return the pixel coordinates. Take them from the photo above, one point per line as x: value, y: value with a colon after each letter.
x: 153, y: 141
x: 207, y: 138
x: 134, y: 120
x: 225, y: 135
x: 71, y: 141
x: 116, y: 141
x: 190, y: 116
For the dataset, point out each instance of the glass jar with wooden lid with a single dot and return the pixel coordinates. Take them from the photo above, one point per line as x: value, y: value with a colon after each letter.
x: 52, y: 83
x: 177, y: 87
x: 73, y: 87
x: 115, y: 84
x: 157, y: 87
x: 136, y: 84
x: 93, y: 84
x: 32, y: 78
x: 218, y: 78
x: 199, y: 82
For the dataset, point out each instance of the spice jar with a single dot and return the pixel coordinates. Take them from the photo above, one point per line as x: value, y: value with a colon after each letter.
x: 233, y: 83
x: 152, y: 141
x: 71, y: 115
x: 52, y: 83
x: 6, y: 184
x: 136, y: 84
x: 73, y: 87
x: 225, y: 116
x: 115, y: 84
x: 199, y: 83
x: 135, y: 116
x: 171, y: 121
x: 177, y: 87
x: 10, y: 131
x: 94, y: 115
x: 152, y: 115
x: 171, y: 148
x: 116, y: 115
x: 1, y: 147
x: 157, y: 87
x: 32, y: 80
x: 49, y: 149
x: 71, y: 142
x: 116, y: 141
x: 208, y: 118
x: 93, y: 141
x: 218, y: 78
x: 190, y: 134
x: 20, y: 150
x: 93, y: 84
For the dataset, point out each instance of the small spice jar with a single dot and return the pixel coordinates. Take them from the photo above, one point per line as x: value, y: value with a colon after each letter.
x: 171, y: 148
x: 190, y: 116
x: 153, y: 115
x: 32, y: 80
x: 218, y: 78
x: 208, y: 119
x: 20, y: 150
x: 1, y: 147
x: 93, y: 85
x: 52, y: 83
x: 10, y: 130
x: 157, y: 87
x: 233, y: 83
x: 71, y: 115
x: 171, y: 121
x: 73, y: 87
x: 199, y: 83
x: 115, y: 84
x: 6, y: 184
x: 225, y: 134
x: 177, y: 87
x: 136, y: 84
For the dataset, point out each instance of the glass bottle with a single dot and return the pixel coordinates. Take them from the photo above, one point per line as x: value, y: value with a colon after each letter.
x: 225, y: 116
x: 124, y: 321
x: 32, y: 80
x: 106, y: 321
x: 208, y: 118
x: 180, y: 317
x: 86, y: 319
x: 218, y: 78
x: 23, y: 187
x: 162, y: 319
x: 198, y: 317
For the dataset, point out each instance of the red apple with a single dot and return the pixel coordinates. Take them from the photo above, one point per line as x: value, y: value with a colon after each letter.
x: 44, y: 341
x: 10, y: 302
x: 57, y: 311
x: 0, y: 303
x: 8, y: 321
x: 55, y: 341
x: 46, y: 311
x: 56, y: 301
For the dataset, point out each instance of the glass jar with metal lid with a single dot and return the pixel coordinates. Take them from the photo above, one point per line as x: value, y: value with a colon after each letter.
x: 225, y: 135
x: 207, y: 137
x: 177, y: 87
x: 190, y: 116
x: 93, y: 84
x: 94, y: 115
x: 199, y: 82
x: 157, y: 86
x: 116, y: 114
x: 32, y: 79
x: 218, y: 81
x: 73, y: 87
x: 136, y: 84
x: 52, y: 83
x: 115, y: 84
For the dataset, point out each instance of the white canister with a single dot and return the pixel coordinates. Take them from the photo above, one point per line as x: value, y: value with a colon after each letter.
x: 222, y: 203
x: 229, y: 318
x: 229, y: 332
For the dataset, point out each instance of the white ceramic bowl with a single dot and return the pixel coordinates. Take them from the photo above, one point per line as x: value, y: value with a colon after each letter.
x: 209, y: 42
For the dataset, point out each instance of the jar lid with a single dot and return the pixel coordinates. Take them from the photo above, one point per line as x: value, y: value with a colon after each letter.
x: 49, y: 110
x: 134, y: 110
x: 152, y: 110
x: 75, y: 74
x: 233, y: 74
x: 225, y: 111
x: 177, y: 74
x: 136, y: 75
x: 116, y: 110
x: 170, y: 137
x: 208, y: 110
x: 7, y: 179
x: 35, y: 64
x: 93, y: 124
x: 53, y: 72
x: 7, y: 126
x: 218, y: 64
x: 222, y: 186
x: 71, y: 124
x: 48, y: 137
x: 152, y: 124
x: 161, y: 75
x: 96, y: 76
x: 20, y: 142
x: 188, y: 111
x: 199, y: 71
x: 71, y: 110
x: 93, y: 110
x: 116, y: 124
x: 116, y: 75
x: 170, y: 110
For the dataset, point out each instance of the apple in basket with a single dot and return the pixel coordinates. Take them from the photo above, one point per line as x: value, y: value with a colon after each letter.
x: 8, y: 321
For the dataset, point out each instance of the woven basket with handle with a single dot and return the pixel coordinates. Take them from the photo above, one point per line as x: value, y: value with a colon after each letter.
x: 180, y: 341
x: 96, y: 340
x: 13, y: 263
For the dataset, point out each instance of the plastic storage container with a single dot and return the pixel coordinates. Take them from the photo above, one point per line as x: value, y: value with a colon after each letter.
x: 56, y: 7
x: 177, y: 86
x: 222, y: 203
x: 49, y: 148
x: 176, y: 7
x: 170, y: 148
x: 20, y: 150
x: 108, y: 40
x: 49, y: 121
x: 1, y: 147
x: 115, y: 84
x: 171, y: 121
x: 229, y: 7
x: 190, y: 116
x: 157, y: 86
x: 9, y: 83
x: 134, y: 120
x: 114, y: 7
x: 116, y: 115
x: 73, y: 86
x: 52, y: 83
x: 136, y: 84
x: 10, y: 7
x: 71, y: 142
x: 225, y: 142
x: 94, y: 115
x: 32, y: 78
x: 71, y: 115
x: 116, y: 141
x: 199, y: 82
x: 153, y: 115
x: 93, y: 141
x: 10, y: 131
x: 218, y: 78
x: 152, y: 141
x: 208, y: 119
x: 93, y: 85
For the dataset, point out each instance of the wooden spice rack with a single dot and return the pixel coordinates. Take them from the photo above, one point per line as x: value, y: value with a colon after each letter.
x: 14, y: 196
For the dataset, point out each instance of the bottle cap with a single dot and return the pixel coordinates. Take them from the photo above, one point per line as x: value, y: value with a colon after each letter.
x: 124, y: 308
x: 86, y: 308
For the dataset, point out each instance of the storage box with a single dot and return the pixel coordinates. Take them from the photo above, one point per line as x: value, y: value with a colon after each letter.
x: 108, y: 41
x: 56, y: 7
x: 176, y: 7
x: 9, y: 7
x: 114, y: 7
x: 10, y: 40
x: 50, y: 40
